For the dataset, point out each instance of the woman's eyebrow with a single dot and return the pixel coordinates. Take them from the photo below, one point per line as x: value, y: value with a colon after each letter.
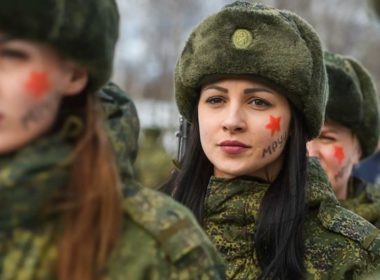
x: 218, y: 88
x: 246, y: 91
x: 257, y: 89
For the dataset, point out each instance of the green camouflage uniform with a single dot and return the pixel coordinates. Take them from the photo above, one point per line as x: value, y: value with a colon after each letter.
x: 160, y: 238
x: 338, y: 244
x: 122, y: 123
x: 364, y: 199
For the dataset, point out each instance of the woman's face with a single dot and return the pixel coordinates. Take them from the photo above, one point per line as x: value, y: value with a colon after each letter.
x: 244, y: 126
x: 338, y: 149
x: 33, y: 81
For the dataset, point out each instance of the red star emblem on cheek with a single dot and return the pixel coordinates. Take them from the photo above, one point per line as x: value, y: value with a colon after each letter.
x: 37, y: 84
x: 274, y: 124
x: 339, y: 153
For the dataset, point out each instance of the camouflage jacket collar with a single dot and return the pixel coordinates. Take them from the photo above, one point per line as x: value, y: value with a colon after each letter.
x: 318, y: 188
x: 231, y: 210
x: 30, y: 177
x: 221, y: 192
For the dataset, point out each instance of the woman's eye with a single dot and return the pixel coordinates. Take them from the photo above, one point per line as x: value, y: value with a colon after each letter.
x: 259, y: 102
x: 215, y: 100
x: 13, y: 54
x: 327, y: 138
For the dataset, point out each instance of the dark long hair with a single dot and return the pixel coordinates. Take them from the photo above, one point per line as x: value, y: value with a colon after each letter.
x: 91, y: 213
x: 279, y: 239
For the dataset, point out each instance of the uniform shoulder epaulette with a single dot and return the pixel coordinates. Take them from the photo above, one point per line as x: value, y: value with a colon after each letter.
x: 171, y: 224
x: 333, y: 216
x: 345, y: 222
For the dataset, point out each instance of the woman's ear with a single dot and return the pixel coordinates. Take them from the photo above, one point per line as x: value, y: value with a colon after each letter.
x: 357, y: 153
x: 77, y: 79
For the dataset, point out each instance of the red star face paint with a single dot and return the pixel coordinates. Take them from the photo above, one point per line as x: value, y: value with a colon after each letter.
x: 37, y: 84
x: 273, y: 125
x: 339, y: 154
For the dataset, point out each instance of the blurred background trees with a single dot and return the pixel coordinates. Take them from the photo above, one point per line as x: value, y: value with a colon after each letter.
x: 153, y: 33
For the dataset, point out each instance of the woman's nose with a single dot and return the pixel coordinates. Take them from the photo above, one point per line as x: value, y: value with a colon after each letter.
x: 234, y: 120
x: 312, y: 149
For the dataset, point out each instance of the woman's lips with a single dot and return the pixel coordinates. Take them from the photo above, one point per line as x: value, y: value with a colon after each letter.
x: 233, y: 147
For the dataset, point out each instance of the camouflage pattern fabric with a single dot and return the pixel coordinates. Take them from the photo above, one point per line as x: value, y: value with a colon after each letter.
x: 123, y: 126
x: 339, y: 244
x: 162, y: 241
x: 28, y: 181
x: 365, y: 202
x: 160, y: 238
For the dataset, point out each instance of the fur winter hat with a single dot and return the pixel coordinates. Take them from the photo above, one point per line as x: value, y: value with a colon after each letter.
x: 251, y: 39
x: 85, y: 31
x: 353, y: 100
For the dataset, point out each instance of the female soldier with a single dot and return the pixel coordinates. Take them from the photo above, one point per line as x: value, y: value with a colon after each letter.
x: 252, y: 83
x: 349, y: 134
x: 62, y: 213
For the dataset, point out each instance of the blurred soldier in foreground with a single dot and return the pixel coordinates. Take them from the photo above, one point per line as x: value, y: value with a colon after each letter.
x: 69, y: 209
